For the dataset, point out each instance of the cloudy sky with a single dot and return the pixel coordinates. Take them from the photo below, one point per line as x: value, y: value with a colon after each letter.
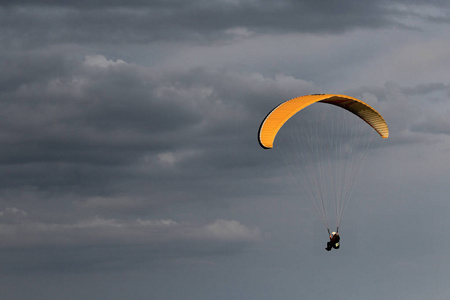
x: 130, y: 167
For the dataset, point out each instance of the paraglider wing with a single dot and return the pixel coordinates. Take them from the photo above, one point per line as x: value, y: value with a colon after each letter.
x: 283, y: 112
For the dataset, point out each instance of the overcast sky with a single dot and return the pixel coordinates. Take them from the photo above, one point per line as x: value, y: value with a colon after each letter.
x: 130, y: 167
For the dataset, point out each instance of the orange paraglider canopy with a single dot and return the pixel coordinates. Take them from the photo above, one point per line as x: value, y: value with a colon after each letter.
x: 283, y: 112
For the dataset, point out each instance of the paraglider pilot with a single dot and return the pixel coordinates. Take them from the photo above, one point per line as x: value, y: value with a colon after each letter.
x: 334, y: 241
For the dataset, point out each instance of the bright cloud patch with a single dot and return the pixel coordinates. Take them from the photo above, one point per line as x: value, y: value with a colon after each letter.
x: 18, y: 229
x: 230, y: 231
x: 101, y: 61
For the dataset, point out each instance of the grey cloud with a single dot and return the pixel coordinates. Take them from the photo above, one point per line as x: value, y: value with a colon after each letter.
x: 19, y: 229
x: 436, y: 124
x: 423, y: 108
x: 142, y: 22
x: 406, y: 108
x: 428, y: 88
x: 98, y: 243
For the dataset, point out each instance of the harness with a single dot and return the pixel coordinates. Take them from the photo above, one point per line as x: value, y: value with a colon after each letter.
x: 329, y: 232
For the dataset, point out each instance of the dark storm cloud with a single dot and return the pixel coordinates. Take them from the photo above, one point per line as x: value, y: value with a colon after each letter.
x: 92, y: 123
x: 83, y: 126
x: 37, y: 23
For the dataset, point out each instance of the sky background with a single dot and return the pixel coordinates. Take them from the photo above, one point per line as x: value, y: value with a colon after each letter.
x: 130, y: 167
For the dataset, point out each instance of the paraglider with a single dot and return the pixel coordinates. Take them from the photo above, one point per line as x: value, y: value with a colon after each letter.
x: 334, y: 241
x: 324, y: 154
